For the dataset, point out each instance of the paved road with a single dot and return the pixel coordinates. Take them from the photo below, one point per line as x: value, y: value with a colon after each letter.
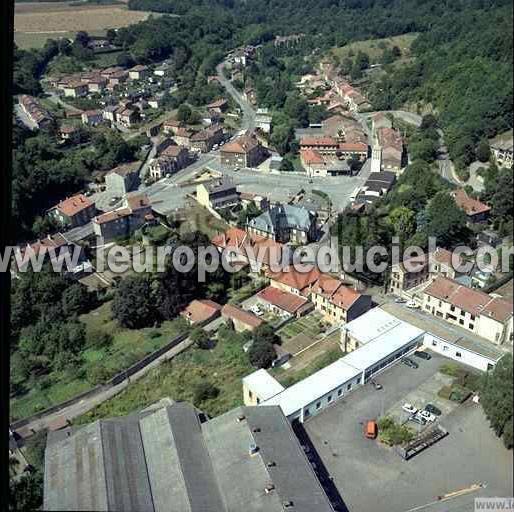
x: 248, y: 121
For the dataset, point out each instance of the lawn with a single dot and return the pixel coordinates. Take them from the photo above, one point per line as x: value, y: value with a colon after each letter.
x: 127, y: 348
x: 222, y: 367
x: 199, y: 219
x: 375, y: 47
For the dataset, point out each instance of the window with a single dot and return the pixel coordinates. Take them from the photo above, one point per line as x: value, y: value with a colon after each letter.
x: 349, y: 386
x: 318, y: 405
x: 461, y: 321
x: 329, y: 398
x: 458, y: 354
x: 307, y: 412
x: 339, y: 392
x: 452, y: 308
x: 472, y: 317
x: 434, y: 343
x: 446, y: 348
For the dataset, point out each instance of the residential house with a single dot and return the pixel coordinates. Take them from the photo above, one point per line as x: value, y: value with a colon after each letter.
x: 116, y: 79
x: 92, y: 117
x: 110, y: 112
x: 124, y: 222
x: 263, y: 120
x: 473, y: 310
x: 75, y: 89
x: 313, y: 163
x: 217, y: 194
x: 183, y: 137
x: 204, y: 140
x: 245, y: 151
x: 418, y: 270
x: 325, y: 146
x: 284, y: 303
x: 171, y: 160
x: 377, y: 185
x: 242, y: 320
x: 128, y: 117
x: 249, y: 197
x: 138, y: 72
x: 337, y: 302
x: 110, y: 71
x: 41, y: 117
x: 73, y: 211
x: 171, y: 126
x: 285, y: 223
x: 97, y: 84
x: 502, y: 149
x: 70, y: 134
x: 353, y: 150
x: 201, y: 312
x: 124, y: 178
x: 56, y: 248
x: 475, y: 210
x: 391, y: 143
x: 241, y: 248
x: 220, y: 106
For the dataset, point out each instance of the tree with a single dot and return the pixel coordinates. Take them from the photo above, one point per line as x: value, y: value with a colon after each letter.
x: 200, y: 338
x: 125, y: 60
x: 447, y: 222
x: 133, y: 305
x: 184, y: 113
x: 404, y: 222
x: 262, y: 353
x: 26, y: 493
x: 362, y: 60
x: 496, y: 398
x: 77, y: 300
x: 110, y: 35
x: 204, y: 391
x: 483, y: 151
x: 396, y: 52
x: 356, y: 72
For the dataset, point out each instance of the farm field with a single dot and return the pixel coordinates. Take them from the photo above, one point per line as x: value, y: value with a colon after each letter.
x: 128, y: 347
x: 375, y: 47
x: 34, y: 23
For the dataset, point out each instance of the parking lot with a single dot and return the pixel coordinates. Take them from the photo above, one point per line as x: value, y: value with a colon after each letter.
x: 372, y: 477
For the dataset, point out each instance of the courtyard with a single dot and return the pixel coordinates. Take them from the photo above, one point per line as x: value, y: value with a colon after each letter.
x: 372, y: 477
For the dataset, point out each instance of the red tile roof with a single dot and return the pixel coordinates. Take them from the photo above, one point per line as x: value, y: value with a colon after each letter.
x: 245, y: 317
x: 201, y: 310
x: 345, y: 297
x: 298, y: 280
x: 242, y: 145
x: 470, y: 205
x: 474, y: 302
x: 138, y: 201
x: 318, y: 141
x: 286, y: 301
x: 74, y: 205
x: 353, y: 146
x: 47, y: 244
x: 310, y: 157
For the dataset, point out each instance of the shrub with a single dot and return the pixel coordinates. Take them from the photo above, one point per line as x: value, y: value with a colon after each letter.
x: 201, y: 339
x: 204, y: 391
x: 391, y: 433
x: 99, y: 375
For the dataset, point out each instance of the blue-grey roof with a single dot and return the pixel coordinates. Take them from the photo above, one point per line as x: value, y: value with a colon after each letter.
x: 282, y: 216
x: 164, y: 458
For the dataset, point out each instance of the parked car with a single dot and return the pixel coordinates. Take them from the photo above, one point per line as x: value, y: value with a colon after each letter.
x: 409, y: 408
x: 412, y: 305
x: 371, y: 429
x: 410, y: 363
x: 114, y: 200
x: 433, y: 409
x: 376, y: 385
x: 427, y: 415
x: 423, y: 355
x: 416, y: 418
x: 399, y: 300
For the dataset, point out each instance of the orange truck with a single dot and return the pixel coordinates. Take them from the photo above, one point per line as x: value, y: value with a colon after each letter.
x: 371, y: 429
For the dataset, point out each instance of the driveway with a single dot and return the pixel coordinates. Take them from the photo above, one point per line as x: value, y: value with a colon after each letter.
x: 370, y: 477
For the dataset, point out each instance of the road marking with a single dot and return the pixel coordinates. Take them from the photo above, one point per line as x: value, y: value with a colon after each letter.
x: 450, y: 496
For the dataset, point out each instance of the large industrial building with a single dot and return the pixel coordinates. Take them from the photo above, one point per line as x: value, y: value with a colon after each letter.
x: 171, y: 458
x: 373, y: 342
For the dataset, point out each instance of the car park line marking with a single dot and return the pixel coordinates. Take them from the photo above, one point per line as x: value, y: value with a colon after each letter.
x: 450, y: 496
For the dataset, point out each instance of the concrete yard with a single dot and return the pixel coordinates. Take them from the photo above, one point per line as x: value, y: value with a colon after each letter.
x: 371, y: 477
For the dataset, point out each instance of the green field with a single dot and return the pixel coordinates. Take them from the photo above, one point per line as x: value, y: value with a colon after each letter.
x: 127, y: 348
x: 375, y: 47
x: 222, y: 367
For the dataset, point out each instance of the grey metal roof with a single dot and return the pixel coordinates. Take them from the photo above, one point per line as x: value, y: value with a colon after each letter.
x: 282, y: 216
x: 164, y: 459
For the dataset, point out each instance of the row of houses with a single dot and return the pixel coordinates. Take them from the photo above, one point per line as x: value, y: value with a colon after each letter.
x: 41, y: 117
